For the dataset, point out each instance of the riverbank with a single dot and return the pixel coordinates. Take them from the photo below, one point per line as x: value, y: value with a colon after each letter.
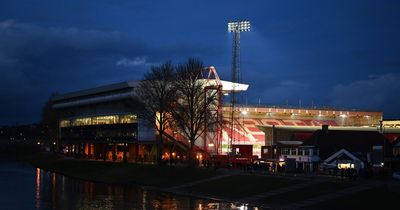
x: 260, y: 189
x: 121, y: 173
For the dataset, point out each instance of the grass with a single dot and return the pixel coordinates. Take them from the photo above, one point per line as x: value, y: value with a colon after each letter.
x: 238, y: 186
x: 122, y: 173
x: 307, y: 192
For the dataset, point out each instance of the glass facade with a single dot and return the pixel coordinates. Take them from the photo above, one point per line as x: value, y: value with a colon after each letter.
x: 99, y: 120
x: 107, y: 128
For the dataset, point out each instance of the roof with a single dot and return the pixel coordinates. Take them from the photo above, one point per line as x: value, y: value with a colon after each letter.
x: 353, y: 141
x: 95, y: 91
x: 293, y: 143
x: 228, y: 86
x: 341, y: 155
x: 333, y: 128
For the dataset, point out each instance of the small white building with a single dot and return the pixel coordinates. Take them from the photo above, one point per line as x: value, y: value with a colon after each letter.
x: 305, y: 158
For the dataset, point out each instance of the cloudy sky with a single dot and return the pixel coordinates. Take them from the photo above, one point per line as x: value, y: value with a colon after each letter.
x: 325, y: 53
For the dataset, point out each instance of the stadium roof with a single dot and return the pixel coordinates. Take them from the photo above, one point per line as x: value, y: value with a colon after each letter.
x: 265, y: 128
x: 119, y: 91
x: 95, y: 91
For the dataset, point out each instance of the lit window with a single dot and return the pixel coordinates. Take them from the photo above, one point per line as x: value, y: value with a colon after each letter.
x: 127, y: 118
x: 65, y: 123
x: 82, y: 121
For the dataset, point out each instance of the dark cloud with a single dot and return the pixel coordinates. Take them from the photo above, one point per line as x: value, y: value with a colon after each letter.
x: 294, y: 51
x: 284, y: 92
x: 36, y: 61
x: 377, y: 92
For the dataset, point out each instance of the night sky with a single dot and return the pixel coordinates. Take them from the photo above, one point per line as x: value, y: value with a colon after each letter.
x: 325, y: 53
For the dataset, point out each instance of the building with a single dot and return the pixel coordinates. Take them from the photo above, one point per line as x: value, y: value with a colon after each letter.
x: 105, y: 123
x: 265, y: 125
x: 337, y: 146
x: 101, y: 123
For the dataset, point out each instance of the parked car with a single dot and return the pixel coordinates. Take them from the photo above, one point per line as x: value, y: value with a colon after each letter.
x: 396, y: 175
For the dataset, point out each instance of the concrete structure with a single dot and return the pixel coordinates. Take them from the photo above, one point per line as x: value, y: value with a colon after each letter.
x: 102, y: 123
x: 105, y: 123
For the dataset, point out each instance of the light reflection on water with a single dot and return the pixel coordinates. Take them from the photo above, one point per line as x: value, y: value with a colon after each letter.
x: 53, y: 191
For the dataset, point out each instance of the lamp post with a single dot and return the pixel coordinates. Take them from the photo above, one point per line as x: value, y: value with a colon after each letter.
x: 384, y: 140
x: 235, y: 27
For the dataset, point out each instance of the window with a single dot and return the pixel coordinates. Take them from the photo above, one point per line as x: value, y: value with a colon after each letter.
x: 315, y: 152
x: 112, y: 119
x: 301, y: 151
x: 100, y: 120
x: 285, y: 151
x: 130, y: 118
x: 307, y: 152
x: 65, y: 123
x: 82, y: 121
x: 293, y: 151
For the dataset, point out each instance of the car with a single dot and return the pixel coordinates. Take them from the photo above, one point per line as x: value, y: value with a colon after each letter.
x: 396, y: 175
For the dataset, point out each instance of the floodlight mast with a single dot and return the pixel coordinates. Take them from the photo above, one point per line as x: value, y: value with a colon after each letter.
x: 235, y: 27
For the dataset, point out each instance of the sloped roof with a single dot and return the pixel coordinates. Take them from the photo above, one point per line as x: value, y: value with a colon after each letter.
x: 94, y: 91
x: 353, y: 141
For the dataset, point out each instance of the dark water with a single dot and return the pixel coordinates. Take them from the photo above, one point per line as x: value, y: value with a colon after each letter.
x: 25, y: 187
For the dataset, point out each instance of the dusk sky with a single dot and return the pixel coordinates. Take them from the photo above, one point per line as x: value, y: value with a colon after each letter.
x: 329, y: 53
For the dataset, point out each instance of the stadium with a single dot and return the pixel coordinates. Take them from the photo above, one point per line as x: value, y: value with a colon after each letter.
x: 103, y: 123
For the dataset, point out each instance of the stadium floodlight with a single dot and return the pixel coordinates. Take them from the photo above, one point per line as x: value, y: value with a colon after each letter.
x: 235, y: 27
x: 239, y: 26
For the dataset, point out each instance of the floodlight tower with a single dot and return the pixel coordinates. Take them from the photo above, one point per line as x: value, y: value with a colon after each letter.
x: 236, y: 27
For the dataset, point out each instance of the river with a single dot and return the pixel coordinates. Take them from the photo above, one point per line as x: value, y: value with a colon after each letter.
x: 26, y: 187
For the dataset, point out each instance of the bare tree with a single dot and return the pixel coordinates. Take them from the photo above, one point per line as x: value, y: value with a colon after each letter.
x: 155, y: 93
x: 192, y: 105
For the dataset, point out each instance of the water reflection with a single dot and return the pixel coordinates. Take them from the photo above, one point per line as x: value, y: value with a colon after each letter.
x: 37, y: 193
x: 55, y: 191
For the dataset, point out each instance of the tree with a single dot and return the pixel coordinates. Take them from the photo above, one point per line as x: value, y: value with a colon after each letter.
x: 192, y: 105
x: 156, y: 94
x: 50, y: 124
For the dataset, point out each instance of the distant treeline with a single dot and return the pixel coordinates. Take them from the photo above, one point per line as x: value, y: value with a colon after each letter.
x: 18, y: 151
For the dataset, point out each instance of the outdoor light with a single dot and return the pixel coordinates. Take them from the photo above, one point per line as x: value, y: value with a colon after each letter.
x: 235, y: 27
x: 238, y: 26
x: 343, y: 115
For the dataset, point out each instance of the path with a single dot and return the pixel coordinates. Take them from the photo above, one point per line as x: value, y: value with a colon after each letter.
x: 253, y: 198
x: 199, y: 182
